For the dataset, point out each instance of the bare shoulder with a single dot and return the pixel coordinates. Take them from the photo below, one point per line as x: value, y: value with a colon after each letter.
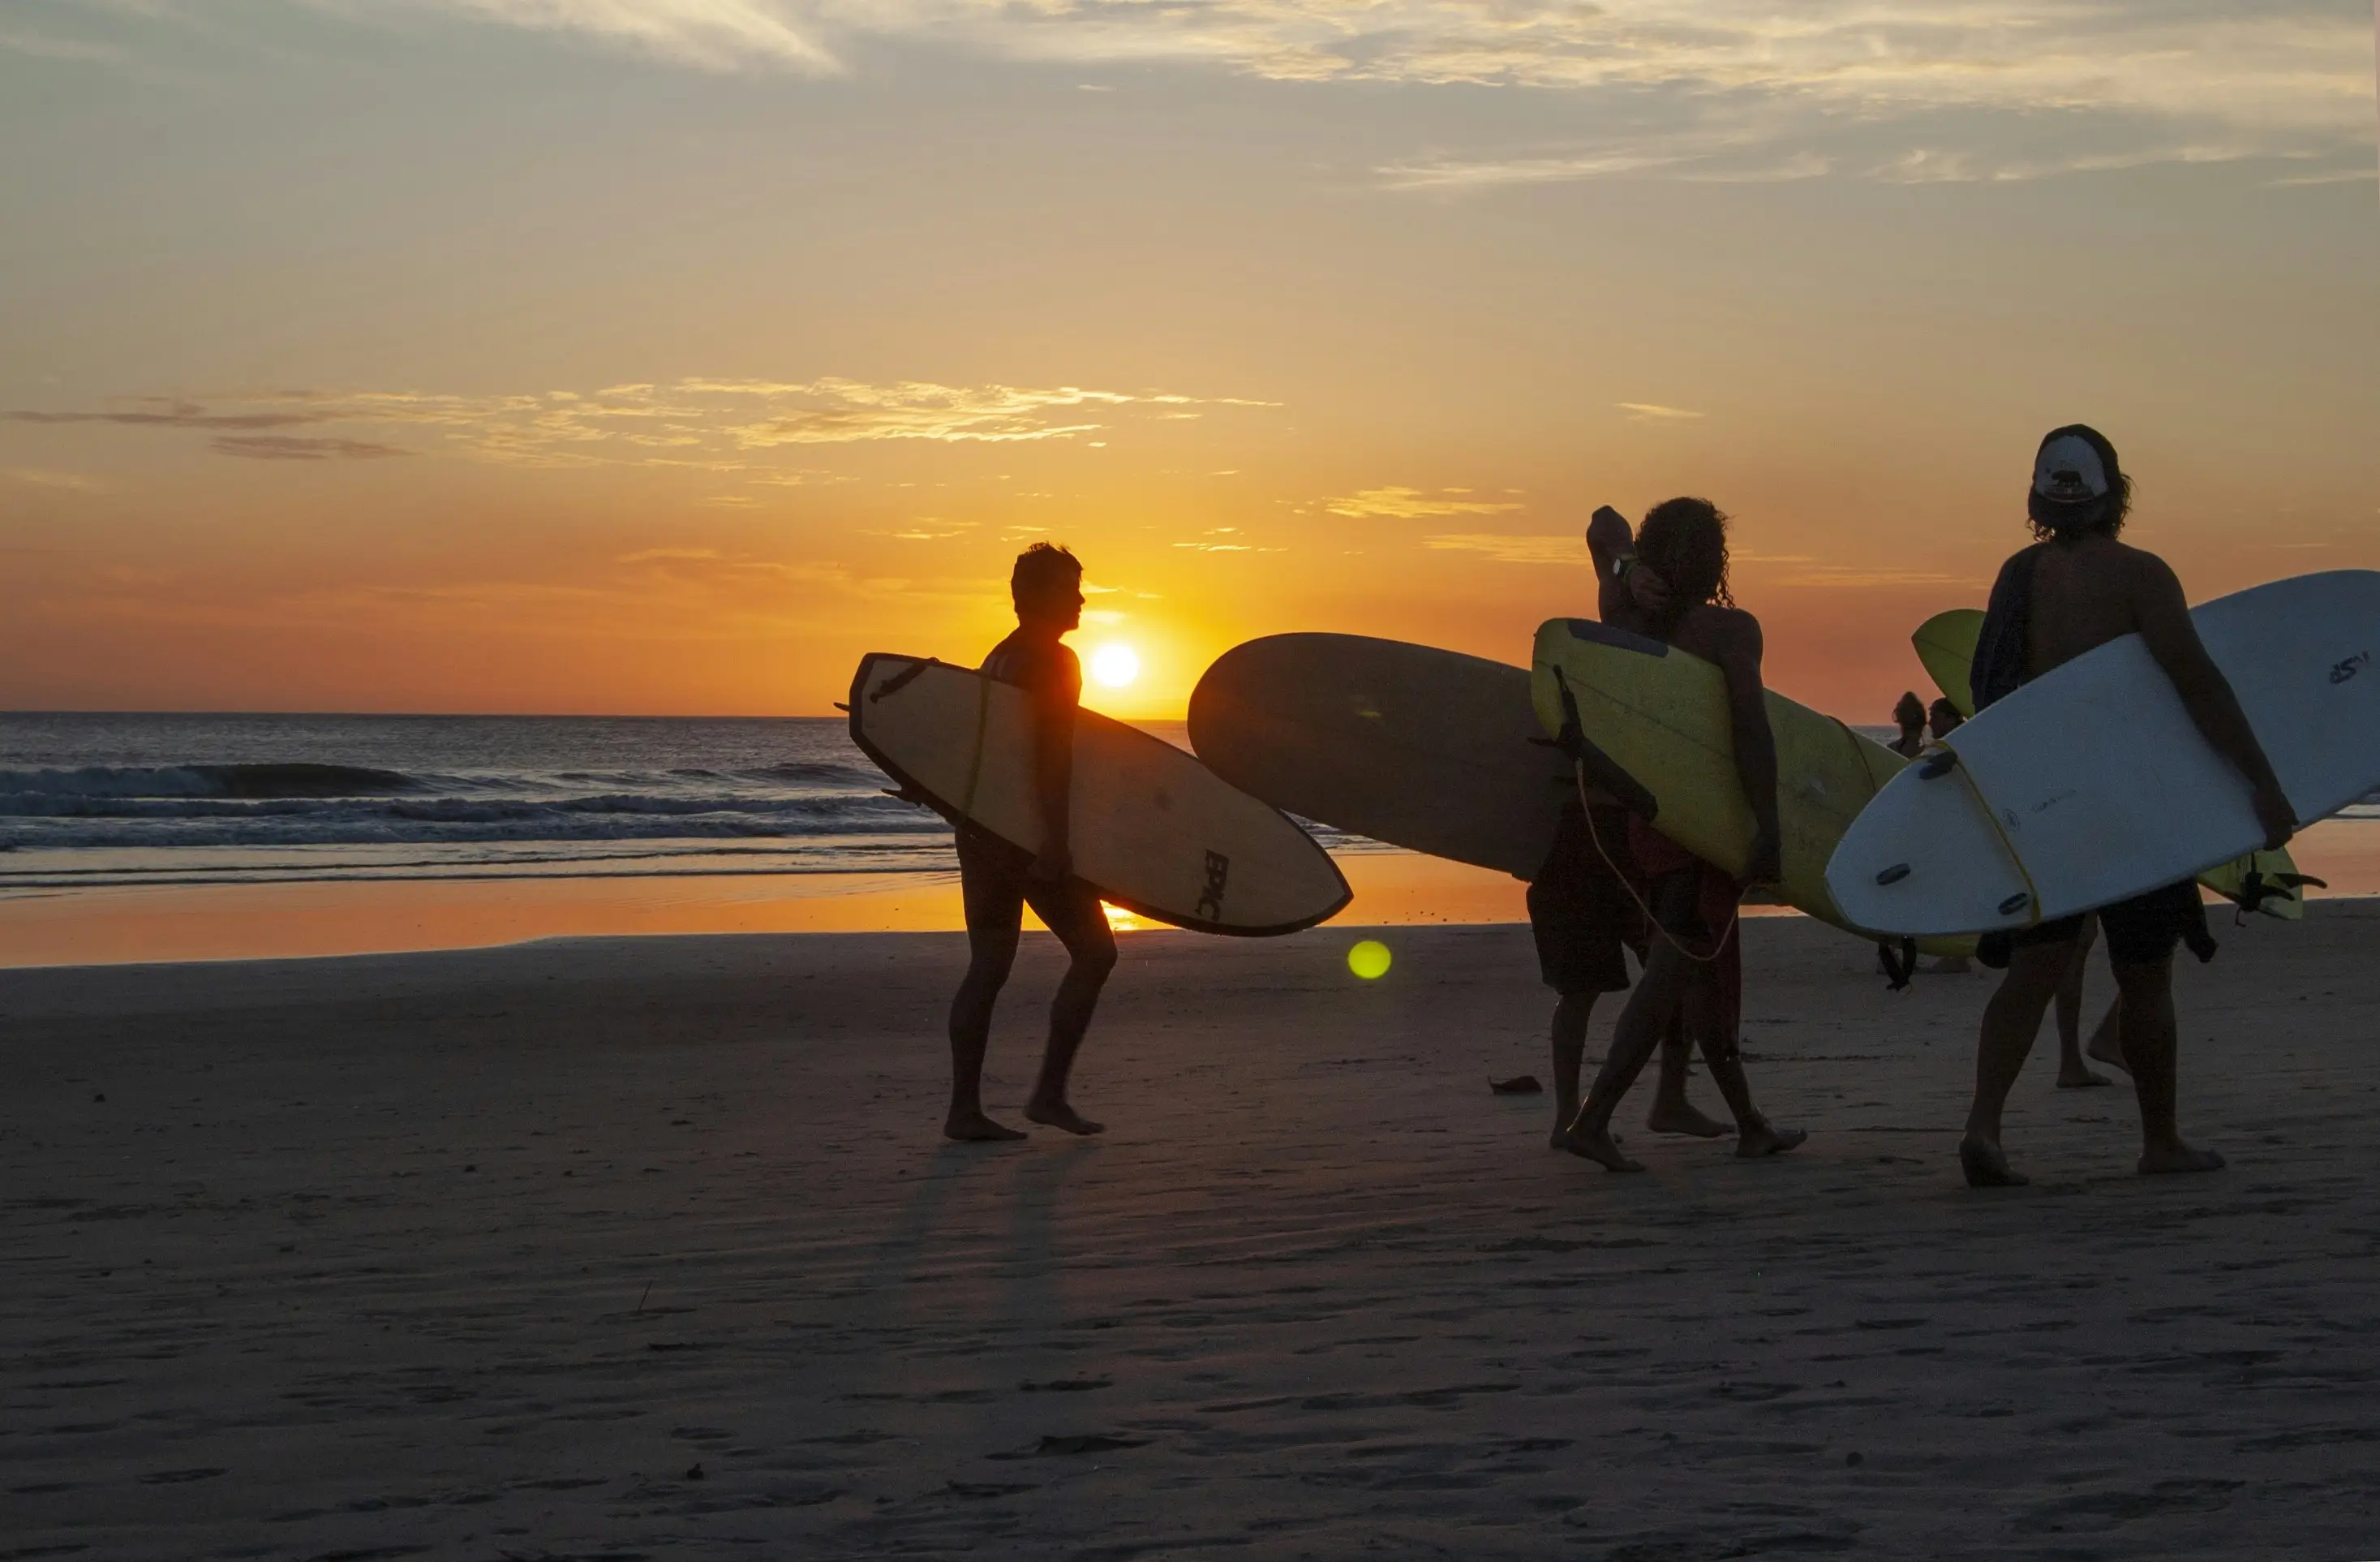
x: 2151, y: 579
x: 1718, y: 633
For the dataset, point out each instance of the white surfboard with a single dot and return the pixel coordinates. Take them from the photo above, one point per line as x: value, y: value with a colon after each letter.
x: 2091, y: 784
x: 1149, y: 827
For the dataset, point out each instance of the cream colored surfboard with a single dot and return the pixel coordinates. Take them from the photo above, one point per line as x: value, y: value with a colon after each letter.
x: 2262, y: 881
x: 1152, y: 829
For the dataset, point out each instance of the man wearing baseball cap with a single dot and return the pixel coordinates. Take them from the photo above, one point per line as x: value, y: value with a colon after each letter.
x: 2076, y: 589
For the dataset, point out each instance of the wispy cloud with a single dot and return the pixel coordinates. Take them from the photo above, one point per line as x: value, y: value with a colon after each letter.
x: 722, y: 35
x: 1699, y: 89
x: 45, y: 477
x: 1414, y: 504
x: 1511, y: 549
x: 300, y: 447
x: 1653, y: 412
x: 722, y: 426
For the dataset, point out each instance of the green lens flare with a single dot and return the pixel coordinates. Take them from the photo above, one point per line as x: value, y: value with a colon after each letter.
x: 1368, y: 960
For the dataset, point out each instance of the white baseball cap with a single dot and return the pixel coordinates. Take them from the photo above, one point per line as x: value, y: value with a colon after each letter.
x: 2068, y: 471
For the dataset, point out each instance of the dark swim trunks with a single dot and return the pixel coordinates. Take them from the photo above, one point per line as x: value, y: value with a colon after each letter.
x: 1580, y: 913
x: 2141, y: 931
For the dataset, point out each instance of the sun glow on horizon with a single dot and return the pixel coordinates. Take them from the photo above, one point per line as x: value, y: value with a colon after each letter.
x: 1116, y: 665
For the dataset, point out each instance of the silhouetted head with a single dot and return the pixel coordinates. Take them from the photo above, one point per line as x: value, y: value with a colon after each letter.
x: 1944, y: 718
x: 1684, y: 542
x: 2079, y: 489
x: 1911, y: 711
x: 1047, y: 587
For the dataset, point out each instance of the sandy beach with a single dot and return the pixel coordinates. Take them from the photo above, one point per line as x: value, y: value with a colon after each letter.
x: 647, y: 1248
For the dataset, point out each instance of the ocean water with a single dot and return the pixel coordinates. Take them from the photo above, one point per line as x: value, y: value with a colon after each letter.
x: 111, y: 799
x: 88, y: 800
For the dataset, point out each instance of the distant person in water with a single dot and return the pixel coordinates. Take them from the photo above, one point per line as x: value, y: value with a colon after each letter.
x: 1583, y: 911
x: 2076, y: 589
x: 1909, y: 713
x: 1695, y: 961
x: 998, y: 880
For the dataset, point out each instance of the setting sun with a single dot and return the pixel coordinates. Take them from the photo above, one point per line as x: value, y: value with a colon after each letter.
x: 1116, y: 665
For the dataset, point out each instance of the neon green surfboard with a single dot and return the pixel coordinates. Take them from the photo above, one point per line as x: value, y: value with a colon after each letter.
x: 1660, y: 715
x: 1945, y: 643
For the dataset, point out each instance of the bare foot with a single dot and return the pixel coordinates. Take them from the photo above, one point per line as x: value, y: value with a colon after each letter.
x: 1685, y: 1118
x: 1986, y: 1165
x: 974, y: 1128
x: 1765, y: 1138
x: 2080, y: 1078
x: 1597, y: 1145
x: 2178, y: 1157
x: 2108, y: 1050
x: 1058, y: 1115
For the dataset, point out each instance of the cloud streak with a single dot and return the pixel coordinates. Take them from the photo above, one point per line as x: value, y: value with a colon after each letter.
x: 723, y: 426
x: 1413, y: 503
x: 1511, y: 549
x: 1708, y: 89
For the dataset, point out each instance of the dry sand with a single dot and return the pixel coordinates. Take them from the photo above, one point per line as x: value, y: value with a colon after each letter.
x: 646, y: 1247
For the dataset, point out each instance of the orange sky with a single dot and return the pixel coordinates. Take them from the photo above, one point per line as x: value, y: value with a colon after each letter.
x: 663, y: 358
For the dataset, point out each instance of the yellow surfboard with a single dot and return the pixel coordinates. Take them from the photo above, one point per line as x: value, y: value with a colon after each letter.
x: 1945, y: 643
x: 1660, y: 715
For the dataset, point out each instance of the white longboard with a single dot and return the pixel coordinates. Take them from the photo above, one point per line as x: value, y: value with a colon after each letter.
x: 2091, y: 784
x: 1149, y: 827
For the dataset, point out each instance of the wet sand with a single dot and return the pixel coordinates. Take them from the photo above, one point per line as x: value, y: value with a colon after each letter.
x: 646, y: 1247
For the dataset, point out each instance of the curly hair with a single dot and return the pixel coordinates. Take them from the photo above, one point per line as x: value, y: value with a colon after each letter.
x: 1684, y: 542
x: 2100, y: 517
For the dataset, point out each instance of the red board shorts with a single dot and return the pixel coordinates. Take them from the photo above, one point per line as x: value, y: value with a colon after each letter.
x: 1581, y: 912
x: 1709, y: 917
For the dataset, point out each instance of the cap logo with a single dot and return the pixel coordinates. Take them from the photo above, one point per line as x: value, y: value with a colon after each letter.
x: 2068, y: 471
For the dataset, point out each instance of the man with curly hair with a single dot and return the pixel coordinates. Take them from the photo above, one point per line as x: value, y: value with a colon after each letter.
x: 1694, y: 960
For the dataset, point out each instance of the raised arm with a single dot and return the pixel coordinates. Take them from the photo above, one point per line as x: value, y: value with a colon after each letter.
x: 1054, y: 702
x: 1736, y: 639
x: 2163, y: 615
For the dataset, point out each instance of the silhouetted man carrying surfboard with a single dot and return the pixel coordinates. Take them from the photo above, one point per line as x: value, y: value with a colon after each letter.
x: 2076, y: 589
x: 1582, y: 910
x: 998, y: 880
x: 1694, y: 957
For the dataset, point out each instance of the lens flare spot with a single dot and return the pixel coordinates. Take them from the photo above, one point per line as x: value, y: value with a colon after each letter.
x: 1116, y: 665
x: 1368, y: 960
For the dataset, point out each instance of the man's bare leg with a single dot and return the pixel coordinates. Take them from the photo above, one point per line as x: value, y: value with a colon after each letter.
x: 2012, y: 1020
x: 2106, y: 1042
x: 1706, y: 1015
x: 1634, y: 1040
x: 1672, y: 1112
x: 989, y: 958
x: 1571, y: 1012
x: 1070, y: 1017
x: 2149, y: 1041
x: 2072, y: 1072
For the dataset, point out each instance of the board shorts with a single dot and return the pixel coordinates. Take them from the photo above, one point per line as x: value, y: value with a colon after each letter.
x: 2140, y: 931
x: 1580, y: 911
x: 996, y: 884
x: 1710, y: 916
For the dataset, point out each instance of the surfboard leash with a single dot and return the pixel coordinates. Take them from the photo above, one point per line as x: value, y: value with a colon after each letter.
x: 1578, y: 775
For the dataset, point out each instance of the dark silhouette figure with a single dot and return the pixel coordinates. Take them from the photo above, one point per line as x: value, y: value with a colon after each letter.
x: 998, y: 880
x: 1583, y: 910
x: 2075, y: 589
x: 1680, y: 581
x: 1909, y: 712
